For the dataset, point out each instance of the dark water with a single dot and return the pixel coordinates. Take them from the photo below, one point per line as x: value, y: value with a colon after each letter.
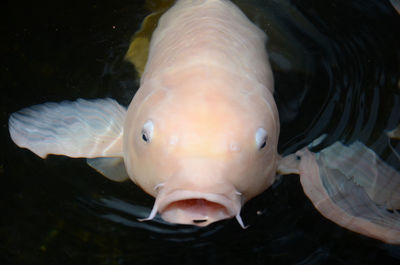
x: 336, y: 67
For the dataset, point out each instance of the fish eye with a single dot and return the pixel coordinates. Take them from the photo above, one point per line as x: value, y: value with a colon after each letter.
x: 147, y: 131
x: 261, y: 138
x: 144, y: 137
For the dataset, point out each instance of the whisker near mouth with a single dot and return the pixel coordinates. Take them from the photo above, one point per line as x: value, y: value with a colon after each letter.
x: 196, y: 208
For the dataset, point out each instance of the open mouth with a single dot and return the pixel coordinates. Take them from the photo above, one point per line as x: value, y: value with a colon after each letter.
x: 196, y: 208
x: 196, y: 211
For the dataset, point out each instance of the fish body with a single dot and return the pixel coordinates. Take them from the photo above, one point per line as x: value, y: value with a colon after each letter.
x: 196, y: 95
x: 201, y: 133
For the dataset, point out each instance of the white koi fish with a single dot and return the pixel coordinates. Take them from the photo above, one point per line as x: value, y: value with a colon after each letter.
x: 201, y: 133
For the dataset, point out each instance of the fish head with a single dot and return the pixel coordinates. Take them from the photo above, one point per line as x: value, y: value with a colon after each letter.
x: 201, y: 154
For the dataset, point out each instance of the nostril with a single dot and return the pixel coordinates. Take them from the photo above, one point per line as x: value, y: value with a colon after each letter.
x: 197, y: 221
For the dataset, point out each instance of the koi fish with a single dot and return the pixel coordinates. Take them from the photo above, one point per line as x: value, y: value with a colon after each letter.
x: 201, y: 133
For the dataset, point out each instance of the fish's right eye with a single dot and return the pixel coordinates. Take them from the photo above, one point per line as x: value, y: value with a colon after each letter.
x: 147, y: 131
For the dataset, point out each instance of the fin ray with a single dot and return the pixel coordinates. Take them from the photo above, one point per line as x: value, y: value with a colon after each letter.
x: 354, y: 188
x: 81, y: 128
x: 112, y: 168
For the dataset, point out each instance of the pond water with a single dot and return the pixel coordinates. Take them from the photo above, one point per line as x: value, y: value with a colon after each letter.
x: 336, y: 66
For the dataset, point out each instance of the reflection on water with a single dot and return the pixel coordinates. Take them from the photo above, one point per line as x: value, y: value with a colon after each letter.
x: 336, y: 67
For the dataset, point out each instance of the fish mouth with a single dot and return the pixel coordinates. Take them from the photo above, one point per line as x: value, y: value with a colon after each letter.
x: 194, y: 211
x: 196, y: 208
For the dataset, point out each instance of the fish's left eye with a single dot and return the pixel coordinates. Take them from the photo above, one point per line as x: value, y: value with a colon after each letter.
x: 147, y: 131
x: 261, y: 138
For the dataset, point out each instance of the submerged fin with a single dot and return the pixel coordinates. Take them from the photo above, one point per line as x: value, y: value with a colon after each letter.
x: 395, y: 133
x: 81, y: 128
x: 364, y: 168
x: 353, y: 187
x: 396, y: 5
x: 112, y: 168
x: 139, y: 47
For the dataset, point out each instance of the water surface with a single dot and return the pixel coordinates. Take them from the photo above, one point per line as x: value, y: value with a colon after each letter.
x: 336, y: 66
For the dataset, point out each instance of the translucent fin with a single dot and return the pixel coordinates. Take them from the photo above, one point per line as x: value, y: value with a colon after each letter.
x: 361, y: 165
x: 396, y: 5
x: 395, y: 133
x: 352, y: 187
x: 112, y: 168
x: 81, y: 128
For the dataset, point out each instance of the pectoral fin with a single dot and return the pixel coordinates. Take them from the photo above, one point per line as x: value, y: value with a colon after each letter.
x: 112, y: 168
x: 364, y: 168
x: 81, y: 128
x: 353, y: 187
